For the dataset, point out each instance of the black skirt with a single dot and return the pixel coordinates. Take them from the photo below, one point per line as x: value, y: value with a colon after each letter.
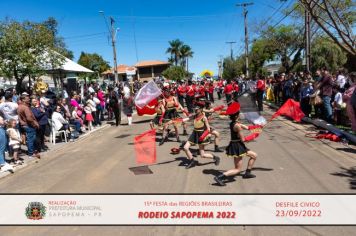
x: 156, y: 119
x: 236, y: 149
x: 171, y: 114
x: 194, y: 138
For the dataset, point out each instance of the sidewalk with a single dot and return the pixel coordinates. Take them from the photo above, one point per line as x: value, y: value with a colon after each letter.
x: 52, y: 148
x: 321, y: 124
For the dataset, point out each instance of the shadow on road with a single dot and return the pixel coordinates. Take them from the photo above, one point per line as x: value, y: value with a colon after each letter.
x: 350, y: 150
x: 123, y: 136
x: 348, y: 173
x: 261, y: 169
x: 214, y: 172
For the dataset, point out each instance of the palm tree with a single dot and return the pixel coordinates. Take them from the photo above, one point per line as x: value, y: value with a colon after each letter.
x: 186, y: 53
x: 174, y: 50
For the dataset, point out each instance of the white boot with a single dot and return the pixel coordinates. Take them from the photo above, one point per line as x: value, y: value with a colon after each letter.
x: 129, y: 120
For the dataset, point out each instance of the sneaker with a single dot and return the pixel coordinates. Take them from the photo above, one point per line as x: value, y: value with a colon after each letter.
x: 217, y: 160
x: 191, y: 164
x: 248, y: 176
x: 219, y: 181
x: 18, y: 162
x: 7, y: 167
x: 217, y: 149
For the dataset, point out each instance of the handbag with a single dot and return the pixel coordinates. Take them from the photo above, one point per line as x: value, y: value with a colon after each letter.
x: 315, y: 99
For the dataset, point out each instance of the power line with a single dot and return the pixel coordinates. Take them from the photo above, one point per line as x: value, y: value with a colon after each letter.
x: 84, y: 35
x: 274, y: 13
x: 290, y: 12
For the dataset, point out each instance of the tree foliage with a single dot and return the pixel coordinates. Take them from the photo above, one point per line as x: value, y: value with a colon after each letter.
x: 180, y: 53
x: 26, y: 49
x: 175, y: 73
x: 233, y: 67
x: 326, y: 53
x: 337, y: 19
x: 95, y: 62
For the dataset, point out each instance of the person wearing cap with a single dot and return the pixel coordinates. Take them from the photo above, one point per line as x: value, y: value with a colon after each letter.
x: 236, y: 148
x: 201, y: 125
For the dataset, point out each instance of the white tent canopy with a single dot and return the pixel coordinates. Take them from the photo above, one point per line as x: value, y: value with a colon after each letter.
x: 72, y: 66
x: 68, y: 66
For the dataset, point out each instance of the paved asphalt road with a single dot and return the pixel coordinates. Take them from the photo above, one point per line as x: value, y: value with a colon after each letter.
x: 288, y: 162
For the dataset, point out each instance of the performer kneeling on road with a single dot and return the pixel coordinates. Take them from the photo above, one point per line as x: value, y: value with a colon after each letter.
x: 201, y: 125
x: 236, y: 147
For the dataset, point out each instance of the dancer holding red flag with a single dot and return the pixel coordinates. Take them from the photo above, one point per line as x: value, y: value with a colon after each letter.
x: 236, y: 147
x: 201, y: 128
x: 159, y: 108
x: 170, y: 105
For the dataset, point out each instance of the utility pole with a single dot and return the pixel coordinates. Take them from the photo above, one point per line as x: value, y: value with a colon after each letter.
x: 231, y: 50
x: 244, y: 5
x: 307, y: 40
x: 112, y: 32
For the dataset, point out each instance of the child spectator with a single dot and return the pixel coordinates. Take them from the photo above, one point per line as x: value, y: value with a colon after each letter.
x: 88, y: 116
x: 337, y: 106
x: 14, y: 140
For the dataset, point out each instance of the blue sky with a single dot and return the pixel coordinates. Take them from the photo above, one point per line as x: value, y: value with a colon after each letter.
x: 204, y: 25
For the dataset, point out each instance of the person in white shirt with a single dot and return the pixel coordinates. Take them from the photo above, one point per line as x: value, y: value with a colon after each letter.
x: 338, y: 104
x: 8, y: 108
x: 90, y: 89
x: 340, y: 80
x: 58, y: 120
x: 98, y: 109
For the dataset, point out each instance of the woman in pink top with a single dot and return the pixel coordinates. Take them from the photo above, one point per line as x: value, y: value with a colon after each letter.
x: 101, y: 97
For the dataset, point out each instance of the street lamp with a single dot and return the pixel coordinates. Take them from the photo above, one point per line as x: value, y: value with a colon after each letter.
x: 113, y: 33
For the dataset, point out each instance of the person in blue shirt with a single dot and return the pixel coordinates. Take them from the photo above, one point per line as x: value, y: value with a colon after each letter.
x: 305, y: 91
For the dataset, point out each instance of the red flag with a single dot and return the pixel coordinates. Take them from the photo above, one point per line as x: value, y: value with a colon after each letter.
x: 149, y: 109
x: 251, y: 137
x: 145, y: 147
x: 219, y: 108
x: 291, y: 109
x: 203, y: 136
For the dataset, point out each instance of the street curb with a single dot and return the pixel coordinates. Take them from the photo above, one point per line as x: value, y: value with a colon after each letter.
x: 328, y: 126
x: 35, y: 160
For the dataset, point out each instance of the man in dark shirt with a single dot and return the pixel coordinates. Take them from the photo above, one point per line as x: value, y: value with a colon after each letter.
x: 326, y: 90
x: 29, y: 124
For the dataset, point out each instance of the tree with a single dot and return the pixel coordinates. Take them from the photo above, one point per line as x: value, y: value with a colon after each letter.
x: 175, y: 73
x: 175, y: 50
x: 26, y: 49
x: 262, y: 50
x: 285, y: 42
x: 233, y: 67
x: 337, y: 19
x: 186, y: 53
x: 51, y: 24
x: 95, y: 62
x: 326, y: 53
